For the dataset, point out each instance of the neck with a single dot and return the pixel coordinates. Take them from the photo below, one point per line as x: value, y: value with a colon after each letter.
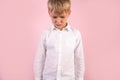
x: 62, y: 27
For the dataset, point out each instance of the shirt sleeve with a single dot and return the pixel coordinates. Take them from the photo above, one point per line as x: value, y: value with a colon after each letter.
x: 39, y: 58
x: 79, y: 58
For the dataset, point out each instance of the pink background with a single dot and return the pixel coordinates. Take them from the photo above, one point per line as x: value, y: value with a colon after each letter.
x: 21, y: 23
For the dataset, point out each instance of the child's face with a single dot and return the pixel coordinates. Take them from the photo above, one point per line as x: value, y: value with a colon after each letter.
x: 59, y: 20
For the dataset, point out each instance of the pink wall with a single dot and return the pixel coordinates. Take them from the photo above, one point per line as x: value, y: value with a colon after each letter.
x: 21, y: 22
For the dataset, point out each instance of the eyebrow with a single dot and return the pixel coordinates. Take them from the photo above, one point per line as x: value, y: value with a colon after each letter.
x: 54, y: 16
x: 62, y: 16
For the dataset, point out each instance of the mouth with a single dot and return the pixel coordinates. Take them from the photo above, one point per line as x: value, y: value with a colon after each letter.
x: 58, y: 24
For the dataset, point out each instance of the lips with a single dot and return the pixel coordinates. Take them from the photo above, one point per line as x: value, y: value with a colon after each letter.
x: 58, y: 24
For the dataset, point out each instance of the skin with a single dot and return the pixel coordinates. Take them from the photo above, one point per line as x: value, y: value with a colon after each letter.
x: 59, y: 20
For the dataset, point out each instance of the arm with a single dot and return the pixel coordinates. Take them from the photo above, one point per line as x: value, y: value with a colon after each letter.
x: 39, y: 58
x: 79, y: 59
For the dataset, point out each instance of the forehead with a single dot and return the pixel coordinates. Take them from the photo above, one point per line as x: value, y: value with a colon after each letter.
x: 59, y: 14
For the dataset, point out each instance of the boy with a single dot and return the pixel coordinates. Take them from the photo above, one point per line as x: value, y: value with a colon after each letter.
x: 60, y: 52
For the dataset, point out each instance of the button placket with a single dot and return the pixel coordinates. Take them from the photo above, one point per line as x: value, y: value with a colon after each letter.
x: 59, y: 55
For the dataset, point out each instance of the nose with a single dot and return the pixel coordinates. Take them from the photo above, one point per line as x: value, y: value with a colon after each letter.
x: 58, y: 21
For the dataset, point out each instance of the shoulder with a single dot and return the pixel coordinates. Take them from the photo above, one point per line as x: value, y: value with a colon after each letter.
x: 45, y: 32
x: 76, y: 31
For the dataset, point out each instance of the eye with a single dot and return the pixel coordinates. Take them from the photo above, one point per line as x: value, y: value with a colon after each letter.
x: 54, y: 17
x: 62, y: 16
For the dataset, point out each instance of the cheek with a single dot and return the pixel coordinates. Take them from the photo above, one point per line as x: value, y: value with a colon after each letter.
x: 53, y: 20
x: 65, y: 20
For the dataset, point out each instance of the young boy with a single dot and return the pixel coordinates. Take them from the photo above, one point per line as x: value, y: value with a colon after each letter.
x: 60, y: 52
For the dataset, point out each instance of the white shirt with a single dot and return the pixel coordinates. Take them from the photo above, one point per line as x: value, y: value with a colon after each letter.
x: 60, y: 55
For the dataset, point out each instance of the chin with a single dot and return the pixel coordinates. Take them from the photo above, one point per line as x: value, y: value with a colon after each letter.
x: 58, y: 26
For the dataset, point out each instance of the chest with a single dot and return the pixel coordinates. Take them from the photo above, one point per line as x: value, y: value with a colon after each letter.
x: 62, y: 40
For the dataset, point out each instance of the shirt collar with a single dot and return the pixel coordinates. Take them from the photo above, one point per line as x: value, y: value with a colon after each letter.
x: 67, y: 28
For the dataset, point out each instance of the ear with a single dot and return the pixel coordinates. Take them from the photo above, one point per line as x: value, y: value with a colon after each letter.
x: 69, y: 12
x: 49, y: 12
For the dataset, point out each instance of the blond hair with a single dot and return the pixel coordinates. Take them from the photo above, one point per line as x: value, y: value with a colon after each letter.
x: 59, y: 6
